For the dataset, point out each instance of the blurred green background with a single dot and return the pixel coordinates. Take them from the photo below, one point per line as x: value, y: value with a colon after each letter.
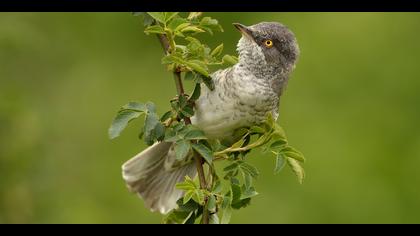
x: 352, y: 107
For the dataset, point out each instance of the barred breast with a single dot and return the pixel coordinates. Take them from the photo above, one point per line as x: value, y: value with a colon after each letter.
x: 238, y: 100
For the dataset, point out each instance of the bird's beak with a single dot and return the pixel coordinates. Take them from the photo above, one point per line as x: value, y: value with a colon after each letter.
x: 245, y: 31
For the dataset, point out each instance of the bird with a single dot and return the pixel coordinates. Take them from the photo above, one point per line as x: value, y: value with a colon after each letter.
x: 243, y: 94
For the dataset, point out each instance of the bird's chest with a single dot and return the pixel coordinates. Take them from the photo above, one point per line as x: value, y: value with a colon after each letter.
x: 235, y: 103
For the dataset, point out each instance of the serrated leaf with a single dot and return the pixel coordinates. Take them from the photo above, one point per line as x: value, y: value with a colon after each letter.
x: 249, y: 169
x: 226, y: 209
x: 189, y: 75
x: 232, y: 166
x: 217, y: 51
x: 153, y: 129
x: 194, y: 15
x: 217, y: 187
x: 280, y: 163
x: 198, y: 196
x: 208, y: 21
x: 137, y: 106
x: 159, y: 16
x: 169, y: 16
x: 182, y: 148
x: 196, y: 93
x: 187, y: 185
x: 211, y: 203
x: 297, y: 169
x: 187, y: 111
x: 295, y: 155
x: 182, y: 26
x: 238, y: 144
x: 204, y: 151
x: 256, y: 130
x: 191, y: 29
x: 187, y: 196
x: 234, y: 181
x: 208, y: 81
x: 186, y: 207
x: 278, y: 143
x: 166, y: 116
x: 247, y: 180
x: 248, y: 193
x: 154, y: 29
x: 196, y: 66
x: 176, y: 22
x: 228, y: 59
x: 121, y: 121
x: 236, y: 193
x: 195, y: 134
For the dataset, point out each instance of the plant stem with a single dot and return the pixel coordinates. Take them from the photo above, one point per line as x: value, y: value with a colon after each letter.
x: 198, y: 159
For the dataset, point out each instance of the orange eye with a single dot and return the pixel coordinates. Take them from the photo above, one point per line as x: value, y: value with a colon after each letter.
x: 268, y: 43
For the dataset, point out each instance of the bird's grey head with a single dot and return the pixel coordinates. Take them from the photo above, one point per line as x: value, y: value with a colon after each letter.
x: 267, y: 46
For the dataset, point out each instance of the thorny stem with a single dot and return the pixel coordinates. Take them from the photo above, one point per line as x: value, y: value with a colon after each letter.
x: 198, y: 159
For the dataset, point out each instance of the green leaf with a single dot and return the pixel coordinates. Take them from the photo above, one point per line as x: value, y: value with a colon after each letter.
x: 210, y: 24
x: 278, y: 143
x: 166, y: 116
x: 208, y: 81
x: 121, y: 121
x: 186, y: 207
x: 217, y: 51
x: 295, y: 155
x: 238, y: 144
x: 226, y: 209
x: 247, y: 180
x: 153, y: 129
x: 195, y: 134
x: 280, y: 162
x: 249, y: 169
x: 189, y: 75
x: 211, y: 204
x: 196, y: 93
x: 182, y: 148
x: 297, y: 169
x: 232, y: 166
x: 217, y: 187
x: 182, y: 100
x: 176, y: 22
x: 187, y: 196
x: 187, y: 111
x: 228, y: 59
x: 187, y: 185
x: 248, y: 193
x: 169, y: 16
x: 198, y: 67
x: 204, y: 151
x: 236, y: 193
x: 154, y: 29
x: 198, y: 196
x: 137, y: 106
x: 182, y: 26
x: 194, y: 15
x: 191, y: 29
x: 256, y: 130
x: 178, y: 217
x: 159, y: 16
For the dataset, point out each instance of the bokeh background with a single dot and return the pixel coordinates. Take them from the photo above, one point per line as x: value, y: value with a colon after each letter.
x: 352, y: 107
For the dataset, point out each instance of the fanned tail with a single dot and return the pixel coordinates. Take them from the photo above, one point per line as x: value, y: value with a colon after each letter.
x: 147, y: 175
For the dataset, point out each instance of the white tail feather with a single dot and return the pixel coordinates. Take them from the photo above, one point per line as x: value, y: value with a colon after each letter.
x: 146, y: 175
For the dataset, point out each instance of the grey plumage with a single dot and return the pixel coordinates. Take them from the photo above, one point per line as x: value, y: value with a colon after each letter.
x: 243, y: 95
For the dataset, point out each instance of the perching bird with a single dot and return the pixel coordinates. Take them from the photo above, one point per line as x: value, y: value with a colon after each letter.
x: 243, y: 95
